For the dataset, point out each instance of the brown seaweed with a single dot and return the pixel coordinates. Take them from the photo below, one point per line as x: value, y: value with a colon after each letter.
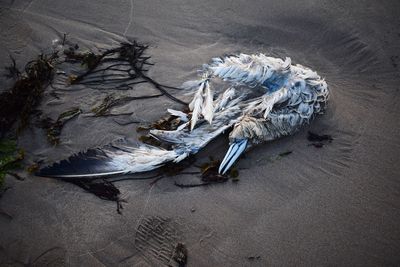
x: 168, y: 123
x: 111, y: 101
x: 210, y: 175
x: 54, y: 128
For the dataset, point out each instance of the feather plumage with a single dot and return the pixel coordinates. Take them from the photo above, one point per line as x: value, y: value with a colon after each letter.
x: 196, y: 106
x: 208, y: 108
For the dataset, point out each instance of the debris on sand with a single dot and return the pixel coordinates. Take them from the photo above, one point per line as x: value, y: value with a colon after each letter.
x: 12, y: 72
x: 118, y: 68
x: 210, y: 175
x: 317, y: 140
x: 111, y: 101
x: 10, y: 158
x: 18, y: 103
x: 105, y: 106
x: 168, y: 123
x: 33, y: 168
x: 209, y: 172
x: 53, y: 128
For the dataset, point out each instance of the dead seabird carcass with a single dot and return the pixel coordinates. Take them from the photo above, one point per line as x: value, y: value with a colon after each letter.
x: 260, y: 98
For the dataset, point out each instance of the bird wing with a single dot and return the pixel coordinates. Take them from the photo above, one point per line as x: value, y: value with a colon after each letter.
x: 121, y: 157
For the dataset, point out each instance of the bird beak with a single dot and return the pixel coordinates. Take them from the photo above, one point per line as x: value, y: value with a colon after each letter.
x: 234, y: 151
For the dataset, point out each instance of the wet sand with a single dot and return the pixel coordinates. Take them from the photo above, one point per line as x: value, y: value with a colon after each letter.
x: 337, y: 205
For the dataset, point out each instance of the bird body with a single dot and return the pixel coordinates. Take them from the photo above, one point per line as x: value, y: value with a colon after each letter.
x: 261, y: 98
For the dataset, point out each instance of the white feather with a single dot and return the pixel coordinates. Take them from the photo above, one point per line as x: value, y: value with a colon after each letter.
x: 223, y: 100
x: 251, y: 70
x: 208, y: 107
x: 179, y: 114
x: 195, y: 107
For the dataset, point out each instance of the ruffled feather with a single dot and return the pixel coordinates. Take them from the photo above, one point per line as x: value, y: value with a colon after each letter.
x: 196, y: 105
x: 250, y: 70
x: 202, y: 104
x: 208, y: 107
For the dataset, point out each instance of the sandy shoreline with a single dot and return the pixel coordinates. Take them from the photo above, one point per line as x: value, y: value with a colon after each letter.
x: 338, y: 205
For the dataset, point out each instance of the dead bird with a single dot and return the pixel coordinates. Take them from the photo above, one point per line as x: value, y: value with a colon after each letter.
x: 260, y: 98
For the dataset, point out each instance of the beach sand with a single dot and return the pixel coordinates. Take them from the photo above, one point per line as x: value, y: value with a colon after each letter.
x: 334, y: 206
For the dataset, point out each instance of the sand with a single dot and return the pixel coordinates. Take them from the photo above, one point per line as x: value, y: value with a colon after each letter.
x: 334, y: 206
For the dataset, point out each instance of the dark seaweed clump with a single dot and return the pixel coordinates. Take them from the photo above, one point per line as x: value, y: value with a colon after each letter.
x: 209, y: 175
x: 128, y: 65
x: 18, y: 103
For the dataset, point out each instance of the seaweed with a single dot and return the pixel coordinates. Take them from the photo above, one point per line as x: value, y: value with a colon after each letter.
x: 111, y: 101
x: 168, y: 123
x: 33, y: 168
x: 53, y: 128
x: 209, y: 175
x: 127, y: 61
x: 104, y: 107
x: 10, y: 158
x: 21, y: 100
x: 209, y: 172
x: 12, y: 72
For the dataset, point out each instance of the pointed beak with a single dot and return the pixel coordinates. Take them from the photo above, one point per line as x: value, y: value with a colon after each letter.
x: 234, y: 151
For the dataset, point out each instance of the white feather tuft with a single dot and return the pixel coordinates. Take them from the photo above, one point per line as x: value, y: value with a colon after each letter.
x: 208, y: 107
x: 223, y: 99
x: 251, y: 70
x: 179, y: 114
x: 195, y: 106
